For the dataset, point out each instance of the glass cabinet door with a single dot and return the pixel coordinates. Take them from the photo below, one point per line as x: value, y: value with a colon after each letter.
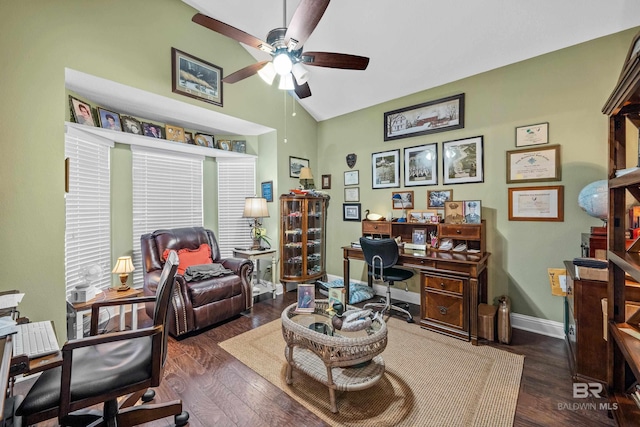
x: 315, y: 237
x: 292, y: 239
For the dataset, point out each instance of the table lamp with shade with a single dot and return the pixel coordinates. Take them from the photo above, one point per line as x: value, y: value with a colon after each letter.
x: 256, y: 208
x: 123, y: 267
x: 306, y: 179
x: 396, y: 197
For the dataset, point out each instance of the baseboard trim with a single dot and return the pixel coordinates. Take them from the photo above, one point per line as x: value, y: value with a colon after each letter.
x: 536, y: 325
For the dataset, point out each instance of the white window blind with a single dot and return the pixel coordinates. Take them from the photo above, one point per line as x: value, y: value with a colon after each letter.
x: 167, y: 193
x: 236, y: 181
x: 87, y: 210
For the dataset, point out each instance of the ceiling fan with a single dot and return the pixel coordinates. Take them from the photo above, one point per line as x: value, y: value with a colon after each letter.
x: 285, y: 46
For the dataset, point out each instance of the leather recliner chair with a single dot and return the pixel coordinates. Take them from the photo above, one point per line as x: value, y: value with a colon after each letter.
x: 196, y: 304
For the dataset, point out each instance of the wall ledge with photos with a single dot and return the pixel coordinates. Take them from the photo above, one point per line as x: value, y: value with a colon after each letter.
x: 140, y: 103
x: 145, y: 141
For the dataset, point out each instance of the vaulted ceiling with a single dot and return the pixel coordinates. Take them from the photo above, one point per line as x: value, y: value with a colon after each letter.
x: 415, y: 45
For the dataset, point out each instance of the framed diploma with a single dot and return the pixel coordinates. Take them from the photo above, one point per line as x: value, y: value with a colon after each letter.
x: 536, y: 203
x: 534, y: 165
x: 532, y: 135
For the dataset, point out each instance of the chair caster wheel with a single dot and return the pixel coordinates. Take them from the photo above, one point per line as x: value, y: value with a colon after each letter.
x: 148, y: 396
x: 182, y: 418
x: 410, y: 320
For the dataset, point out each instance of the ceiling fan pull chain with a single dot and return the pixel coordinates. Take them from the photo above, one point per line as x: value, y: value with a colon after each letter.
x: 285, y: 116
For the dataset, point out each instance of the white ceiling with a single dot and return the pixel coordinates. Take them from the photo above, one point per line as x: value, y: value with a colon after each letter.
x: 415, y: 45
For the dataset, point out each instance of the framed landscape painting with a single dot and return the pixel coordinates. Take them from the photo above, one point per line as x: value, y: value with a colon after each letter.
x: 195, y: 78
x: 385, y: 168
x: 462, y: 161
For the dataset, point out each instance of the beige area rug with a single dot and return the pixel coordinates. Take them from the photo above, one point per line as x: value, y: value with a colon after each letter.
x: 430, y: 380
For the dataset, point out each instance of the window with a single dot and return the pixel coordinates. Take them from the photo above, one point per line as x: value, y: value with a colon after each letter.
x: 236, y: 181
x: 88, y: 210
x: 167, y: 193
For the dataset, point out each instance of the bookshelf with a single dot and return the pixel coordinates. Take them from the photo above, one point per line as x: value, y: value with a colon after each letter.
x: 623, y: 110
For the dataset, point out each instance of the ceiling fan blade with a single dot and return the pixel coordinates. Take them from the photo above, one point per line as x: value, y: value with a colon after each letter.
x: 335, y: 60
x: 304, y: 21
x: 245, y: 72
x: 303, y: 90
x: 231, y: 32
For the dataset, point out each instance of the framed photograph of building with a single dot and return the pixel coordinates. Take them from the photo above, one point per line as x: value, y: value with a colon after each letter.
x: 429, y: 117
x: 463, y: 161
x: 385, y: 169
x: 195, y: 78
x: 421, y: 165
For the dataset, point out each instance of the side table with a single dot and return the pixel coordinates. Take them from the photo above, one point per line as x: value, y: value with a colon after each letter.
x: 76, y: 311
x: 259, y: 287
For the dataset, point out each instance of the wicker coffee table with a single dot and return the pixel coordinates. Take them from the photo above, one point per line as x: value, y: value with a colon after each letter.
x: 345, y: 361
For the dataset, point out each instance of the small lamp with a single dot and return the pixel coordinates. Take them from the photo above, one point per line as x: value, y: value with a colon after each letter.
x: 398, y: 196
x: 255, y: 207
x: 124, y: 266
x: 306, y: 179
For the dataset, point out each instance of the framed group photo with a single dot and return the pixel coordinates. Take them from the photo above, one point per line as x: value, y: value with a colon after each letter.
x: 421, y: 165
x: 195, y: 78
x: 463, y: 161
x: 385, y: 169
x: 437, y: 198
x: 430, y: 117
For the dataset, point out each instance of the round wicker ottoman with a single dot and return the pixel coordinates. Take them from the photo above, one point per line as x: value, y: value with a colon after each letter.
x: 345, y: 361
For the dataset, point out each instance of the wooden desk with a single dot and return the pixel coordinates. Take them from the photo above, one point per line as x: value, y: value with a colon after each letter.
x: 451, y: 287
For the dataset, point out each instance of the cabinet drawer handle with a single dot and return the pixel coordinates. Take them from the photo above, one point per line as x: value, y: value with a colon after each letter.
x: 442, y: 285
x: 375, y: 227
x: 443, y: 310
x: 458, y: 231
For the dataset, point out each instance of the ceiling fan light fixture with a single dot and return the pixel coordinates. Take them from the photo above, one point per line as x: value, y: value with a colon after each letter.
x: 282, y: 64
x: 300, y: 73
x: 267, y: 73
x: 286, y: 82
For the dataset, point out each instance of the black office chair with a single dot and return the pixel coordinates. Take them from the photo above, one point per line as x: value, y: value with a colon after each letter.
x: 102, y: 368
x: 381, y: 255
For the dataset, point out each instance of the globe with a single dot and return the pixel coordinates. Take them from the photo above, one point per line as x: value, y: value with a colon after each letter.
x: 594, y: 199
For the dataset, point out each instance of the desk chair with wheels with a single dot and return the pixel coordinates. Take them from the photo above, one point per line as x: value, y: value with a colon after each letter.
x: 381, y: 255
x: 102, y: 368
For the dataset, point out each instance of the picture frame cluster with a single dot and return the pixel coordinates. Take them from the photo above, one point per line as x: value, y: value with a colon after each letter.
x: 83, y: 113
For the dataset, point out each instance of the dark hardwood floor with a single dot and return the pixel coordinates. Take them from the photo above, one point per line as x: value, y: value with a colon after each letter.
x: 218, y: 390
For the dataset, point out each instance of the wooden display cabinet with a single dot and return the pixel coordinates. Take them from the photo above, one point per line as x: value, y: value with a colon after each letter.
x: 302, y: 238
x: 623, y: 109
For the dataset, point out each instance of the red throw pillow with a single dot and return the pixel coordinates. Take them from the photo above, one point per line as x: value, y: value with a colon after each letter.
x: 189, y: 257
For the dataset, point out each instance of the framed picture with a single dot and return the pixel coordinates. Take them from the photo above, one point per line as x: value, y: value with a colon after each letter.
x: 404, y: 201
x: 385, y: 168
x: 436, y: 198
x: 174, y: 133
x: 193, y: 77
x: 453, y: 212
x: 203, y: 140
x: 352, y: 177
x: 152, y: 130
x: 422, y: 217
x: 419, y: 236
x: 295, y: 166
x: 131, y: 125
x: 351, y: 211
x: 267, y: 190
x: 536, y: 203
x: 532, y: 135
x: 472, y: 211
x: 430, y: 117
x: 534, y: 164
x: 326, y: 182
x: 224, y: 144
x: 306, y: 298
x: 109, y: 119
x: 463, y: 161
x: 239, y: 146
x: 352, y: 194
x: 188, y: 138
x: 81, y: 112
x: 421, y: 165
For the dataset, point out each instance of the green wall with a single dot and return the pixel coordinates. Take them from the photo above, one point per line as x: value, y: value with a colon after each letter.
x: 567, y: 89
x: 126, y: 42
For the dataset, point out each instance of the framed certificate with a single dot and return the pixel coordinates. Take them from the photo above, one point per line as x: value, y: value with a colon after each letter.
x: 534, y: 165
x: 536, y: 203
x: 532, y: 135
x: 351, y: 178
